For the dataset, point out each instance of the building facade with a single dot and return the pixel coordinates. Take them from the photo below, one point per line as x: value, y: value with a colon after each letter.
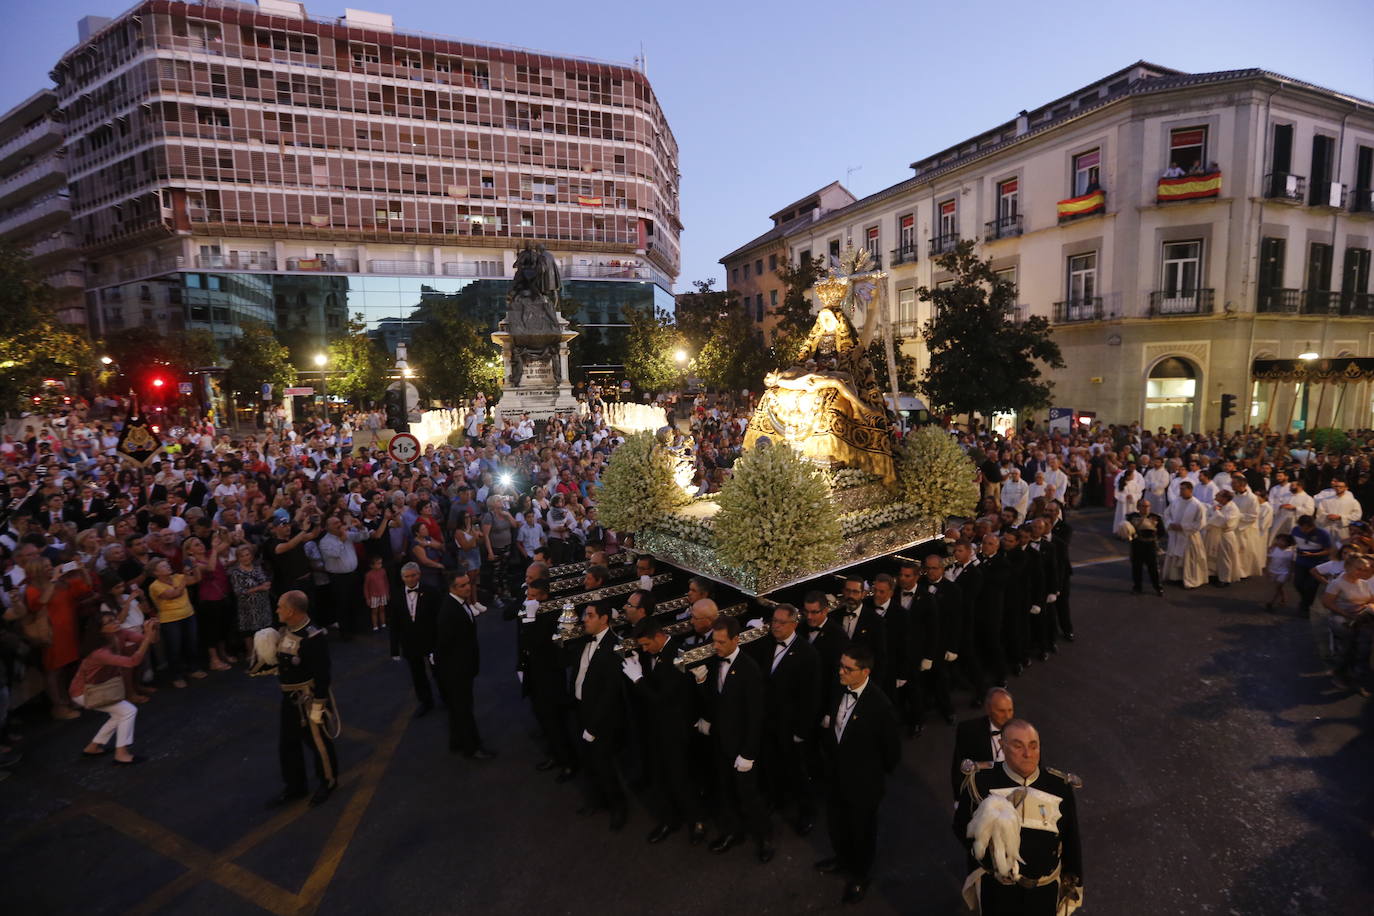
x: 1173, y: 227
x: 231, y: 162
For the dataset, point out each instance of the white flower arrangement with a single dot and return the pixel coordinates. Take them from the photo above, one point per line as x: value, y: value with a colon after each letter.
x: 696, y: 530
x: 935, y: 476
x: 776, y: 515
x: 637, y: 487
x: 853, y: 523
x: 846, y: 478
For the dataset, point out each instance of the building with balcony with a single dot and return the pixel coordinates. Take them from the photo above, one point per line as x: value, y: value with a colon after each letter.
x: 35, y: 213
x: 1175, y: 228
x: 235, y: 161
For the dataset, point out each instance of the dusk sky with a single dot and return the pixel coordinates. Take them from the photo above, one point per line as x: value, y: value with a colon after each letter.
x: 770, y: 101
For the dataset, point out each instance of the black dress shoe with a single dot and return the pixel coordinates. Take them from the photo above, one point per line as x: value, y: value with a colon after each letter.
x: 1044, y: 656
x: 698, y: 834
x: 481, y: 754
x: 829, y: 866
x: 804, y: 825
x: 726, y: 842
x: 854, y: 892
x: 565, y: 774
x: 285, y: 798
x: 548, y: 763
x: 660, y: 833
x: 1068, y: 637
x: 322, y: 794
x: 618, y: 817
x: 766, y: 852
x: 1159, y: 592
x: 422, y: 710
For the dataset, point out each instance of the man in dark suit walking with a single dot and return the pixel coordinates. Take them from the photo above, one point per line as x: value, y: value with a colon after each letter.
x: 410, y: 618
x: 826, y: 636
x: 543, y: 675
x: 457, y: 658
x: 861, y: 623
x: 732, y: 690
x: 980, y: 739
x: 598, y: 688
x: 792, y: 678
x: 861, y: 732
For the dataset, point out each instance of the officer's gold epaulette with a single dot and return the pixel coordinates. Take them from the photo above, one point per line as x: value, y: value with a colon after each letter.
x: 1060, y: 773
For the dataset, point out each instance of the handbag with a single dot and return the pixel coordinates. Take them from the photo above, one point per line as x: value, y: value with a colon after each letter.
x: 110, y: 690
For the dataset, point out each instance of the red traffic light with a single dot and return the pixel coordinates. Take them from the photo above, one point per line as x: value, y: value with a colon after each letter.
x: 158, y: 381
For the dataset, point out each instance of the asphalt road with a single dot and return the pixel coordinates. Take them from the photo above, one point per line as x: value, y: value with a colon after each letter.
x: 1223, y: 773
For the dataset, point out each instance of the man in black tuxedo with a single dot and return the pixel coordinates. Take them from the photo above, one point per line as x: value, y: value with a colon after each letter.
x: 792, y: 678
x: 935, y: 615
x: 861, y: 734
x: 883, y: 603
x: 979, y: 739
x: 543, y: 676
x: 457, y: 659
x: 1051, y: 569
x: 732, y: 691
x: 1060, y: 536
x: 963, y: 571
x: 89, y: 510
x: 861, y: 623
x: 598, y: 688
x: 987, y: 620
x: 667, y: 700
x: 826, y: 635
x: 150, y: 492
x: 410, y: 618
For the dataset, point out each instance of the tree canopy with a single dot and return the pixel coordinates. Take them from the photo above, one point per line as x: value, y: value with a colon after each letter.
x: 453, y: 356
x: 651, y: 346
x: 982, y: 360
x: 256, y: 357
x: 34, y: 344
x: 727, y: 352
x: 794, y: 313
x: 358, y: 365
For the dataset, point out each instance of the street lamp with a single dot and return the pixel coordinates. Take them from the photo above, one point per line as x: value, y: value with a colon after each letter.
x: 1309, y: 354
x: 106, y: 360
x: 322, y: 360
x: 681, y: 357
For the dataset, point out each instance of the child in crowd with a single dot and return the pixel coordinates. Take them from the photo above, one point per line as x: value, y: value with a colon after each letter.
x: 1280, y: 569
x: 378, y: 592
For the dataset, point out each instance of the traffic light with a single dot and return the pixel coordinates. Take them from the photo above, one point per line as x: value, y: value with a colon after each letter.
x: 395, y: 402
x: 1228, y: 406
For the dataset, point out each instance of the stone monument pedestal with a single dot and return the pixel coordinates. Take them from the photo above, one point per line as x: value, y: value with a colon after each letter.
x: 536, y: 378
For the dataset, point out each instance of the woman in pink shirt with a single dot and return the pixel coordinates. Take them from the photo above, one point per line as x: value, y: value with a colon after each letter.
x: 97, y: 668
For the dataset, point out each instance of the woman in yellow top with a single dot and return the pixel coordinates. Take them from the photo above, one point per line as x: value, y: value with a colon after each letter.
x: 177, y: 619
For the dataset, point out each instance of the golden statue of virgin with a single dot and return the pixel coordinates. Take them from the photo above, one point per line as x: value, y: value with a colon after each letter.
x: 829, y: 406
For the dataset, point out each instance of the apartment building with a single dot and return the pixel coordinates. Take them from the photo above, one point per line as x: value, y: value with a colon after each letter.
x: 232, y: 161
x: 35, y: 213
x: 1174, y: 227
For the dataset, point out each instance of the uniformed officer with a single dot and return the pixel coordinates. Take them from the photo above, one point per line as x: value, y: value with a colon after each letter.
x: 303, y: 670
x: 1050, y: 853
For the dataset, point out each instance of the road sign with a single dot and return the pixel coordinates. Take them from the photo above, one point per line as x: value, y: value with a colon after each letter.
x: 184, y: 387
x: 404, y: 447
x: 293, y: 392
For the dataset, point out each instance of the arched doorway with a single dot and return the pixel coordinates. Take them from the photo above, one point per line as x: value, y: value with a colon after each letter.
x: 1171, y: 392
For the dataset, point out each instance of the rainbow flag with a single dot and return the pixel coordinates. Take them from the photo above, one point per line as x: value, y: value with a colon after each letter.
x: 1189, y: 187
x: 1092, y: 202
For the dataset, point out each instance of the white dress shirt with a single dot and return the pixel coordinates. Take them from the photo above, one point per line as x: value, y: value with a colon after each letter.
x: 847, y: 703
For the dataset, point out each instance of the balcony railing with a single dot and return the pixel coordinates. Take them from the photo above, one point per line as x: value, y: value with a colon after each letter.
x: 474, y: 269
x: 1004, y: 227
x: 1362, y: 201
x: 1188, y: 187
x: 1070, y: 310
x: 62, y: 241
x: 45, y: 129
x: 146, y: 269
x: 326, y: 264
x: 1181, y: 302
x: 51, y: 169
x: 903, y: 255
x: 1328, y: 194
x: 1090, y: 203
x: 29, y: 217
x: 1361, y: 304
x: 67, y: 279
x: 232, y: 261
x: 1301, y: 301
x: 400, y: 268
x: 943, y: 244
x: 906, y: 327
x: 1285, y: 186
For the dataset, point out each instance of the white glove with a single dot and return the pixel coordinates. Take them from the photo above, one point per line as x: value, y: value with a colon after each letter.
x: 478, y: 609
x: 756, y: 622
x: 431, y: 658
x: 317, y: 711
x: 520, y: 676
x: 1051, y: 599
x: 901, y: 683
x: 588, y: 736
x: 530, y: 612
x: 825, y: 721
x: 633, y: 669
x: 926, y: 664
x: 1035, y: 609
x: 951, y: 656
x: 699, y: 675
x: 798, y: 739
x: 742, y: 765
x: 646, y: 583
x: 703, y: 726
x: 395, y: 658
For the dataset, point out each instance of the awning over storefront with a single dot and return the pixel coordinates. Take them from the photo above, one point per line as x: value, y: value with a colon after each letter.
x: 1189, y: 187
x: 1340, y: 370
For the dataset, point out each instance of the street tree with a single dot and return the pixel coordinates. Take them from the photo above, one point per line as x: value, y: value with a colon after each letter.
x: 358, y: 364
x: 716, y: 327
x: 794, y: 313
x: 453, y: 356
x: 256, y: 357
x: 138, y: 352
x: 34, y: 345
x: 651, y: 346
x: 982, y: 360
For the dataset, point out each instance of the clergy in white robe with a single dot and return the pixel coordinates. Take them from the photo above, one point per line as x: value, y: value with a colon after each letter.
x: 1186, y: 558
x: 1290, y: 503
x: 1157, y: 485
x: 1337, y: 507
x: 1129, y: 487
x: 1204, y: 491
x: 1250, y: 538
x: 1266, y: 520
x: 1016, y: 494
x: 1223, y: 554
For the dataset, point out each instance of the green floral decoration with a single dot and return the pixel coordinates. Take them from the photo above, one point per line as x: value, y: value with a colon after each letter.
x: 935, y: 476
x: 637, y: 487
x: 776, y: 516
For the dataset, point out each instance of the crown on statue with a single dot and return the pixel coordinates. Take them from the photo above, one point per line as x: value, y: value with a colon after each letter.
x: 832, y: 291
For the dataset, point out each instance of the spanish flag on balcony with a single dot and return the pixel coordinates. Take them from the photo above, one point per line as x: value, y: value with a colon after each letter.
x: 1189, y: 187
x: 1092, y: 202
x: 588, y: 201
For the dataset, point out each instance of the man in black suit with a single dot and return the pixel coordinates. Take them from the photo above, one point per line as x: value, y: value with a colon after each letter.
x: 967, y: 578
x: 1047, y: 553
x: 860, y: 731
x: 979, y: 739
x: 667, y: 700
x: 732, y: 691
x: 792, y: 678
x: 883, y: 603
x: 1060, y: 535
x: 987, y: 620
x: 861, y: 623
x: 598, y: 688
x: 89, y: 510
x: 457, y: 659
x: 932, y: 621
x: 543, y: 677
x: 410, y: 619
x: 826, y: 635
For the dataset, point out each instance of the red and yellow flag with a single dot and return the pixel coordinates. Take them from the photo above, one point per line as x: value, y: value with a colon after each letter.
x: 589, y: 201
x: 1189, y: 187
x: 1092, y: 202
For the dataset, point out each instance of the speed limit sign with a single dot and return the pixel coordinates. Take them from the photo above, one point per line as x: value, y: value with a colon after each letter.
x: 404, y: 447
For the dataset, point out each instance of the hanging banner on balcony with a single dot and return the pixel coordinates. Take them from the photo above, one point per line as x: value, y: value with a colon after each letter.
x: 319, y: 221
x: 1092, y: 202
x: 588, y: 201
x: 1190, y: 187
x: 1341, y: 370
